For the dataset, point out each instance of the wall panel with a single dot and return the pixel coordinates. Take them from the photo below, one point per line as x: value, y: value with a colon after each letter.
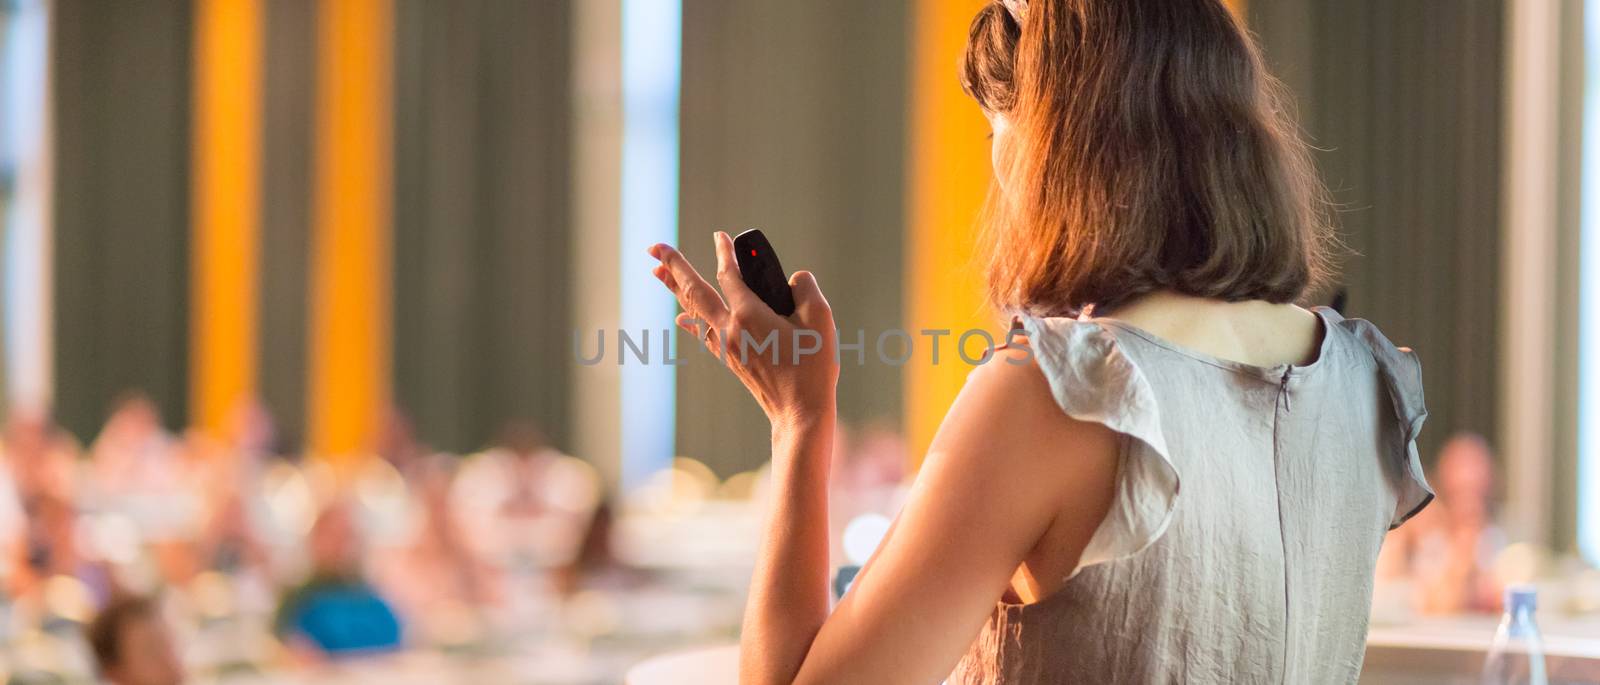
x: 793, y: 122
x: 482, y: 274
x: 1403, y: 100
x: 121, y: 100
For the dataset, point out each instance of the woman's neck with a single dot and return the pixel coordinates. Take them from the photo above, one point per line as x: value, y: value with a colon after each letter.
x: 1252, y: 331
x: 1168, y: 304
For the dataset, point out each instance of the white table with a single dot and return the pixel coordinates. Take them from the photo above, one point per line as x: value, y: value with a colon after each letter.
x: 705, y: 666
x: 1441, y: 650
x: 1426, y: 651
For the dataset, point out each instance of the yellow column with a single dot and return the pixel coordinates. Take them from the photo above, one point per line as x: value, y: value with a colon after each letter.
x: 949, y: 175
x: 349, y: 336
x: 1238, y: 7
x: 226, y: 207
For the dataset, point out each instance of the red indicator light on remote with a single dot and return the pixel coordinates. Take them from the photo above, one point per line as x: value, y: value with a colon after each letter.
x: 752, y: 253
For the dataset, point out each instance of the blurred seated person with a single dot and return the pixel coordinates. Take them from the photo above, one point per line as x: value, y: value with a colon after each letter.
x: 528, y: 504
x: 398, y: 443
x: 250, y: 431
x: 874, y: 461
x: 39, y: 465
x: 13, y: 521
x: 230, y: 538
x: 435, y: 568
x: 387, y: 509
x: 132, y: 644
x: 41, y: 457
x: 596, y: 566
x: 229, y: 542
x: 134, y: 451
x: 1448, y: 549
x: 139, y: 471
x: 868, y: 477
x: 336, y: 611
x: 51, y: 548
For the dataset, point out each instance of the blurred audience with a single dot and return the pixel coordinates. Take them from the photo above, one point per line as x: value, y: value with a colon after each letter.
x: 527, y: 504
x: 868, y: 478
x: 257, y: 552
x: 1447, y: 552
x: 52, y: 550
x: 141, y: 476
x: 264, y: 556
x: 434, y: 571
x: 595, y: 564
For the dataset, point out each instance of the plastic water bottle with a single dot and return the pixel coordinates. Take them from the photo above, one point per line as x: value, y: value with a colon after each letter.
x: 1517, y: 656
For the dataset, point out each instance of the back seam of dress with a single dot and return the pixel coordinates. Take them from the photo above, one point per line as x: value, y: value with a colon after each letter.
x: 1280, y: 402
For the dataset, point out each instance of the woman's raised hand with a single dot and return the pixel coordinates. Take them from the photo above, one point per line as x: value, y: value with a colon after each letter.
x: 789, y: 364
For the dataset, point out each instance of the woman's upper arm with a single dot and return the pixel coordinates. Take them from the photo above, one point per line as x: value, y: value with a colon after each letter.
x: 1005, y: 466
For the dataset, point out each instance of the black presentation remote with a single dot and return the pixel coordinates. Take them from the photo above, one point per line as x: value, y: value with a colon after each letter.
x: 758, y: 265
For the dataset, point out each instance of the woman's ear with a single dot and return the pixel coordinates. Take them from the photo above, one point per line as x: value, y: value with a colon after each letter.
x: 999, y: 145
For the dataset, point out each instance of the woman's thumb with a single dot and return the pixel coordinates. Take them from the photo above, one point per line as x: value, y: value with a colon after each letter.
x: 807, y: 295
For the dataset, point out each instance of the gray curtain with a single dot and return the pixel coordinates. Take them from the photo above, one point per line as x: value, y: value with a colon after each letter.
x: 793, y: 121
x: 481, y: 218
x: 121, y: 104
x: 285, y: 220
x: 1564, y: 471
x: 1403, y: 98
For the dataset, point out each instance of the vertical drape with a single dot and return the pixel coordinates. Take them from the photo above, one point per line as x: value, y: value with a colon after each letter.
x: 793, y: 122
x: 120, y: 85
x: 285, y: 221
x: 482, y: 273
x: 1403, y: 100
x: 1563, y: 474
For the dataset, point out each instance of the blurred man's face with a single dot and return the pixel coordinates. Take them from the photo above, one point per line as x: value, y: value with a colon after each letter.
x: 335, y: 546
x: 146, y: 655
x: 1466, y: 471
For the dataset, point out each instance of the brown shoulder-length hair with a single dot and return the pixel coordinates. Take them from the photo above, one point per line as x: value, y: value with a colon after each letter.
x: 1149, y: 149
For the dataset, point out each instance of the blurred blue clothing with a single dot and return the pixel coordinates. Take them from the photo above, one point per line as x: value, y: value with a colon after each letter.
x: 339, y: 615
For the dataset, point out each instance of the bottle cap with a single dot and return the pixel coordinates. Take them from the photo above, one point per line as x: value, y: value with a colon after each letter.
x: 1519, y: 597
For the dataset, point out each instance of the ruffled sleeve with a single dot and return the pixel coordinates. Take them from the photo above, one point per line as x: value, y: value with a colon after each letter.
x: 1401, y: 372
x: 1093, y: 380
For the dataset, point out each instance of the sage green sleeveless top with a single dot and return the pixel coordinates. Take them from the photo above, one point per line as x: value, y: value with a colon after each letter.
x: 1241, y: 543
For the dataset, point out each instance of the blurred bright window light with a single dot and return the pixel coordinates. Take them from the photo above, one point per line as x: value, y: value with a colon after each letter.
x: 652, y: 47
x: 24, y: 198
x: 1589, y: 298
x: 862, y: 535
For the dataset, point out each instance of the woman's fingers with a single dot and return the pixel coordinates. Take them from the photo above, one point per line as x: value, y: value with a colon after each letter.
x: 808, y: 299
x: 694, y: 325
x: 693, y: 292
x: 740, y: 297
x: 663, y: 274
x: 702, y: 330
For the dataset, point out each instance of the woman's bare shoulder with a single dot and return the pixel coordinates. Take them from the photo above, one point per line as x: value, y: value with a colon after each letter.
x: 1007, y: 413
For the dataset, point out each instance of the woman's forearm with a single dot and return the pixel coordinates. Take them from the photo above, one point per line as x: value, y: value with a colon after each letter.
x: 789, y: 590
